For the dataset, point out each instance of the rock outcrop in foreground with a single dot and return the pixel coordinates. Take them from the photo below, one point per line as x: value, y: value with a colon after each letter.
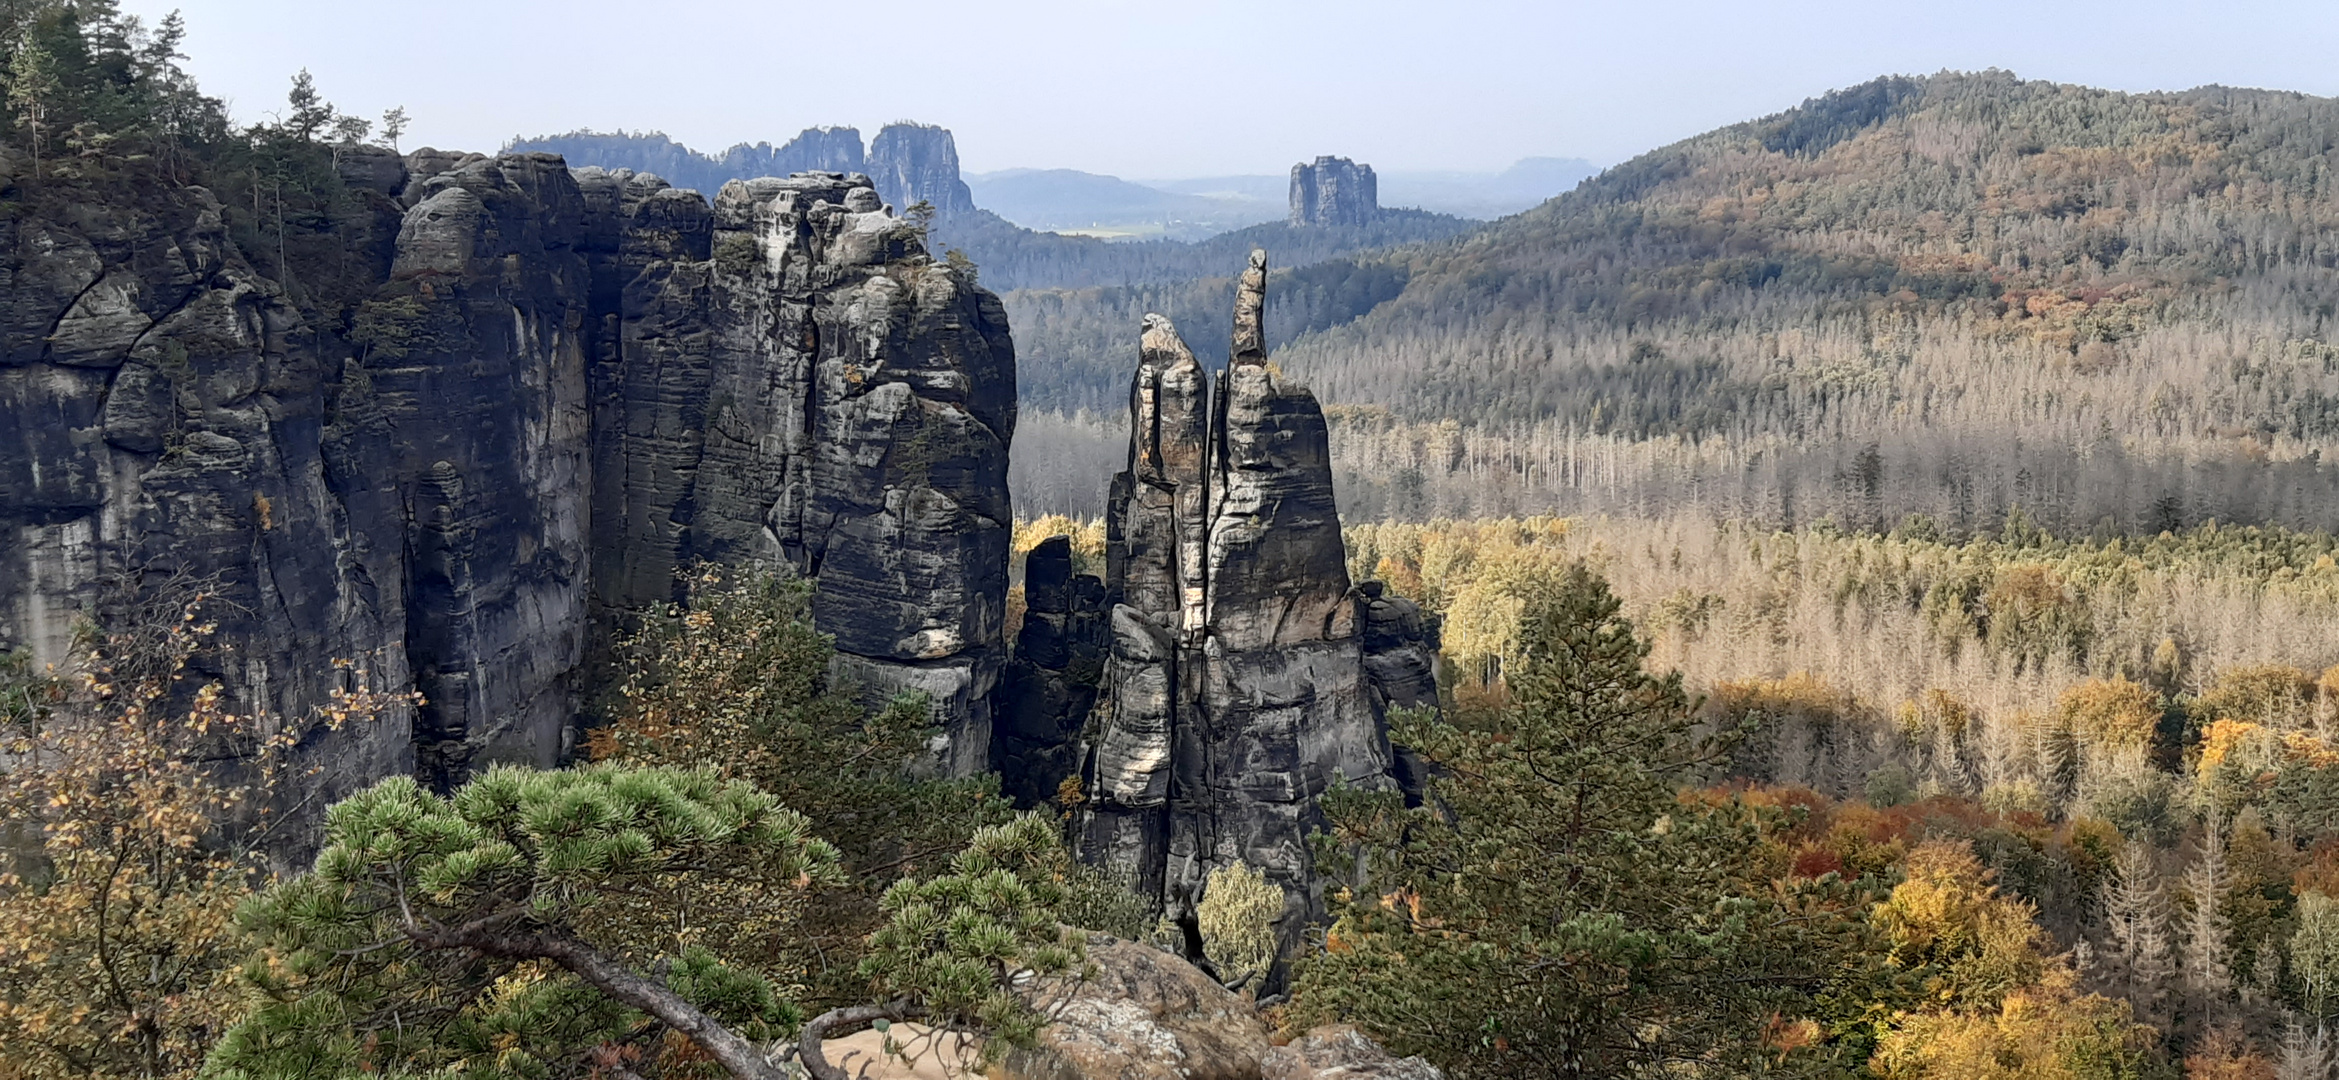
x: 554, y: 389
x: 1334, y: 191
x: 1236, y: 688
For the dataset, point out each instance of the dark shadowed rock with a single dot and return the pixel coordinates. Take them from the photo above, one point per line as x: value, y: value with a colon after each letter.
x: 1052, y: 679
x: 371, y: 168
x: 165, y: 418
x: 1334, y: 191
x: 1401, y: 645
x: 561, y: 389
x: 485, y: 421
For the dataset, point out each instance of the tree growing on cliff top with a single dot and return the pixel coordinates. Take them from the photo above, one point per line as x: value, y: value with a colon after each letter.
x: 1556, y: 909
x: 613, y: 917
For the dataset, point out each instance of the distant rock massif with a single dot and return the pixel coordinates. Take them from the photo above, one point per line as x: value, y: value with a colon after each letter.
x: 1334, y: 191
x: 907, y: 163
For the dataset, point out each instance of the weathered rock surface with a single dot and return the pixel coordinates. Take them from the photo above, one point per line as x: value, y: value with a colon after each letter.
x: 1147, y: 1015
x: 913, y: 162
x: 1236, y: 690
x: 560, y: 389
x: 483, y: 417
x: 1334, y: 191
x: 820, y: 394
x: 167, y: 422
x: 1340, y: 1052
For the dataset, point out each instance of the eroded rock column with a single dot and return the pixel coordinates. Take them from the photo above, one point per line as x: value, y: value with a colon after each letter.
x: 1236, y: 692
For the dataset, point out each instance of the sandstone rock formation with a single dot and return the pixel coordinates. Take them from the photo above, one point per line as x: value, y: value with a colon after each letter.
x: 559, y: 389
x: 819, y: 149
x: 1236, y: 690
x: 1146, y: 1015
x: 1340, y: 1052
x: 914, y: 162
x: 1334, y: 191
x: 168, y: 422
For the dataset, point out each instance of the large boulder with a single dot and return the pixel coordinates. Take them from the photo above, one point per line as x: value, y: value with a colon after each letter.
x: 1340, y: 1052
x: 1146, y: 1015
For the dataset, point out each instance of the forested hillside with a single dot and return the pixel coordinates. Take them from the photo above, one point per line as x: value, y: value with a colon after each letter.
x: 1946, y: 296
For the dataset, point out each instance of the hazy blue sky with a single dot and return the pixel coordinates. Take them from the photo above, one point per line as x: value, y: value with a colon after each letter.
x: 1201, y: 87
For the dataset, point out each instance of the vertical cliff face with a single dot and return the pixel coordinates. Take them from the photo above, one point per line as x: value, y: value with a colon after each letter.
x: 481, y: 393
x: 1236, y: 688
x: 167, y: 424
x: 1334, y: 191
x: 821, y: 394
x: 549, y: 392
x: 913, y: 162
x: 820, y: 149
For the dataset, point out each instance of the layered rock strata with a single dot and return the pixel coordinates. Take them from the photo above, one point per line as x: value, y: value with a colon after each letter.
x: 1236, y: 689
x: 559, y: 390
x: 1334, y: 191
x: 169, y: 426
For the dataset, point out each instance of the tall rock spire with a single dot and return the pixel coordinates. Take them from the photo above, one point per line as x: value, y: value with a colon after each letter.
x: 1236, y: 691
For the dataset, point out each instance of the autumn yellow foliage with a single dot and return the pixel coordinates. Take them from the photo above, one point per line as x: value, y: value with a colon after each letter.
x: 117, y: 949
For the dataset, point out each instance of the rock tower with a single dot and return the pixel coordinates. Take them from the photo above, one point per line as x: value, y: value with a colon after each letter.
x: 1235, y: 683
x: 1334, y: 191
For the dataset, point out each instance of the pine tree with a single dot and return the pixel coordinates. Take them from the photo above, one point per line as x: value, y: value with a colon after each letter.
x: 1556, y: 909
x: 311, y: 113
x: 32, y: 89
x: 540, y: 922
x: 394, y: 125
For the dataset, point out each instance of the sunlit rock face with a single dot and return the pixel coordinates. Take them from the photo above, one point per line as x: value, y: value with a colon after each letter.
x: 820, y: 394
x: 531, y: 399
x: 1236, y: 689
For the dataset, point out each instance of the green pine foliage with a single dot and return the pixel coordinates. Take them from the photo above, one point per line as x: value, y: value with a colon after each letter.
x: 1556, y: 909
x: 738, y: 679
x: 961, y: 945
x: 476, y: 933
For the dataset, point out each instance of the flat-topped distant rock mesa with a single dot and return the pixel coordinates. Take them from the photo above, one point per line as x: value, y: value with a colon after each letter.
x: 1334, y: 191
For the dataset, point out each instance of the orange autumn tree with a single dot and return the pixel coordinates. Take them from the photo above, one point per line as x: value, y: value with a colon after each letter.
x: 124, y: 854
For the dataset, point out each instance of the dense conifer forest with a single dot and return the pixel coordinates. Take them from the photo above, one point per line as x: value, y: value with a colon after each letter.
x: 1946, y: 296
